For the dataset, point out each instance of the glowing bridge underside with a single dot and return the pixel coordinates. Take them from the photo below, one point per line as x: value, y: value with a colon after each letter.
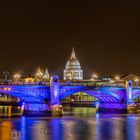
x: 38, y: 94
x: 29, y: 94
x: 104, y: 94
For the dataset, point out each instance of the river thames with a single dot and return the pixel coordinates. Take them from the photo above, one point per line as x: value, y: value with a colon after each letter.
x: 76, y: 124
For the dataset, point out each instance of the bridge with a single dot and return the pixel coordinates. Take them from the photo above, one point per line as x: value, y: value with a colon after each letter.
x: 41, y: 97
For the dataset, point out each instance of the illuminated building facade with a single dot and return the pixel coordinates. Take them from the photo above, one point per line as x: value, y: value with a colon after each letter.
x: 10, y: 105
x: 80, y: 96
x: 73, y: 69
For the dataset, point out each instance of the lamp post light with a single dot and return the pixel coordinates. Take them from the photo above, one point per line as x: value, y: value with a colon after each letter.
x: 136, y: 81
x: 117, y: 78
x: 17, y: 76
x: 5, y: 73
x: 94, y: 77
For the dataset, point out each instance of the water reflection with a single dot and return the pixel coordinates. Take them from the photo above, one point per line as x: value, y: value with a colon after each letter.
x: 72, y: 127
x: 5, y: 130
x: 6, y: 111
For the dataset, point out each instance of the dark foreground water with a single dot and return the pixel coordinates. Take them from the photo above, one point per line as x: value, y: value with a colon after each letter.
x: 76, y: 124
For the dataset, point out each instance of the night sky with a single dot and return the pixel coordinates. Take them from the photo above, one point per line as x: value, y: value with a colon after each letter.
x: 104, y: 33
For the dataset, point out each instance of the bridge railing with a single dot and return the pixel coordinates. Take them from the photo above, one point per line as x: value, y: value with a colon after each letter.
x: 93, y: 84
x: 25, y: 83
x: 67, y: 84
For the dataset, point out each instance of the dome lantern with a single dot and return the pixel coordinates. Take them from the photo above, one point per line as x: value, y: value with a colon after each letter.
x: 73, y: 56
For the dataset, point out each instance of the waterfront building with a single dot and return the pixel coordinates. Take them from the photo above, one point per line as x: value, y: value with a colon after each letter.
x: 80, y: 97
x: 73, y: 69
x: 106, y: 78
x: 134, y: 78
x: 135, y: 82
x: 28, y: 79
x: 9, y: 105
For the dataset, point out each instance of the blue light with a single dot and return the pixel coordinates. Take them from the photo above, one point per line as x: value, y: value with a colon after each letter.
x: 54, y: 87
x: 36, y: 95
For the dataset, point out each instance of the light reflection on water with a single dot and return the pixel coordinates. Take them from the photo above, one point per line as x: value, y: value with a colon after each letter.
x: 76, y: 124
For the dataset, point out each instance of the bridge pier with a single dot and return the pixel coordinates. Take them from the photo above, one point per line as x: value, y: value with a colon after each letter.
x: 131, y: 106
x: 35, y: 107
x: 56, y: 108
x: 111, y: 107
x: 53, y: 108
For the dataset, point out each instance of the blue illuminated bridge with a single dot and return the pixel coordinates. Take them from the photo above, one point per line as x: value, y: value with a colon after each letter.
x: 40, y: 97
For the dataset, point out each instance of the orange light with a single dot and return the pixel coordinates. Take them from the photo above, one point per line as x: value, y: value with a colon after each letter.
x: 9, y: 89
x: 5, y: 88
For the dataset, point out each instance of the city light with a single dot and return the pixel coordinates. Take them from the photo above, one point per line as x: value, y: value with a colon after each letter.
x: 17, y: 76
x: 7, y: 89
x: 94, y: 77
x: 117, y: 78
x: 136, y: 80
x: 39, y: 73
x: 69, y: 76
x: 111, y: 81
x: 6, y: 73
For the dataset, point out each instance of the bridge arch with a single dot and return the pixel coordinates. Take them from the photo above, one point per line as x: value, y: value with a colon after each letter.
x: 27, y: 93
x: 135, y: 93
x: 25, y: 97
x: 135, y: 96
x: 102, y: 96
x: 29, y: 102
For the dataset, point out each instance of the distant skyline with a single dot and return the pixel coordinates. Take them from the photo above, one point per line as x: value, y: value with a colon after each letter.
x: 105, y: 35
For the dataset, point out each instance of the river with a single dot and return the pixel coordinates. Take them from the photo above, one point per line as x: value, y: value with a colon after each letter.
x: 76, y: 124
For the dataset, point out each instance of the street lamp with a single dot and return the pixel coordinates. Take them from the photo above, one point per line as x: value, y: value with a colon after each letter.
x: 94, y: 77
x: 6, y: 73
x: 136, y: 81
x: 117, y: 78
x: 17, y: 76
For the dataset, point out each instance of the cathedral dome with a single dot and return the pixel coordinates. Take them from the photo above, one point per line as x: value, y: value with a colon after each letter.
x: 73, y: 69
x: 73, y: 63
